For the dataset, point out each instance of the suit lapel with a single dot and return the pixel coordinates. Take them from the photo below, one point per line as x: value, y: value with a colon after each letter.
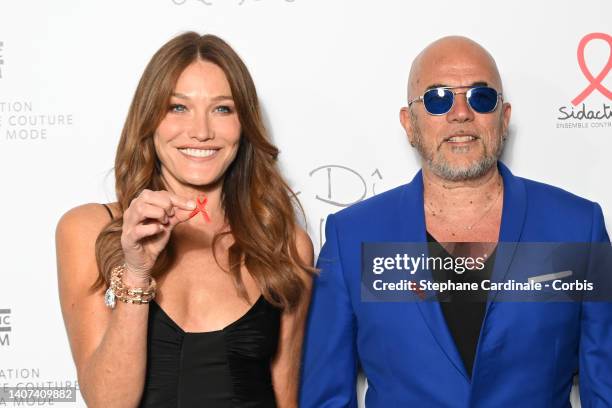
x: 412, y: 221
x: 513, y: 219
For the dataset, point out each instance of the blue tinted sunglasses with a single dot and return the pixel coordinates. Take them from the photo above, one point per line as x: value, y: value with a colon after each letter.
x: 439, y: 101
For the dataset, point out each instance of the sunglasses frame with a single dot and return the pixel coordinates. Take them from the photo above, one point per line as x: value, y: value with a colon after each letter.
x: 467, y: 98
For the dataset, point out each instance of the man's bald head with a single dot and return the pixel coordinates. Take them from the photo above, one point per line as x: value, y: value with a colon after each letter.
x: 437, y: 64
x: 461, y: 144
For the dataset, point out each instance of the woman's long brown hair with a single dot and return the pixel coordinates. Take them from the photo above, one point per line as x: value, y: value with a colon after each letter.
x: 260, y: 207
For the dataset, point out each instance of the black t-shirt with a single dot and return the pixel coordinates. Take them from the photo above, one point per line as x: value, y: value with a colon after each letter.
x: 463, y: 310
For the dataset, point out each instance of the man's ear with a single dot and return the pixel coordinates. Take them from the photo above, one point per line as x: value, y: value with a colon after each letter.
x: 506, y: 113
x: 406, y: 121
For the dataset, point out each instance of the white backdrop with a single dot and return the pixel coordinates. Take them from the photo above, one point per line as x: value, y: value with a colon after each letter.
x: 331, y: 77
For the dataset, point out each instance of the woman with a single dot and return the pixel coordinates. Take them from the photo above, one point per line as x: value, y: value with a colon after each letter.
x: 202, y: 257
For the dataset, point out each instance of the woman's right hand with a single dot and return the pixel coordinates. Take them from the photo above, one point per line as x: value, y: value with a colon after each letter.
x: 147, y: 225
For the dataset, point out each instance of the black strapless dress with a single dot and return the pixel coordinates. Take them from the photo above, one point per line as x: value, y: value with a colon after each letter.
x: 218, y: 369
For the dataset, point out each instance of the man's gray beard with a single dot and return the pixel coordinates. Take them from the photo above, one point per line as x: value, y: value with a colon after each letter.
x: 444, y: 170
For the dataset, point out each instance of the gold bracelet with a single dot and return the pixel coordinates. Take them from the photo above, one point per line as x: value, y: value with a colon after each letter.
x: 117, y: 290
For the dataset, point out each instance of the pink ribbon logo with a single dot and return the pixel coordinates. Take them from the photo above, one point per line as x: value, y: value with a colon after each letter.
x: 595, y: 82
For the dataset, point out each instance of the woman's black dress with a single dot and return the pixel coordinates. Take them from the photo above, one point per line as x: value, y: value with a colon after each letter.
x: 228, y: 368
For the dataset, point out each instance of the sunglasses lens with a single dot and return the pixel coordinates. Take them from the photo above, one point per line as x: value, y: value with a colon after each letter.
x: 482, y: 99
x: 438, y: 101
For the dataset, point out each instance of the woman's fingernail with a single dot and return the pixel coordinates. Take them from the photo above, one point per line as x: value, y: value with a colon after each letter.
x: 191, y: 204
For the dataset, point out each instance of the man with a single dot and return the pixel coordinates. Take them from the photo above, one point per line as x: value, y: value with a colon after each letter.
x: 434, y: 354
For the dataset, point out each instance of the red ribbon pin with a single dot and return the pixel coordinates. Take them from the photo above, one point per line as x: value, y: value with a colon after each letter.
x: 200, y: 207
x: 417, y: 290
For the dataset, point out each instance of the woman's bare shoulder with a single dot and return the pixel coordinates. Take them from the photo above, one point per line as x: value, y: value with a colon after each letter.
x: 85, y: 217
x: 76, y: 234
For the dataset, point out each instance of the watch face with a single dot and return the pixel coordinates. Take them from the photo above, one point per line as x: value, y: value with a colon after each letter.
x: 109, y: 298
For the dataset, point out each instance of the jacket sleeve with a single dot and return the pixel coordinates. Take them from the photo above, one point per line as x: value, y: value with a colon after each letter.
x: 595, y: 354
x: 330, y: 358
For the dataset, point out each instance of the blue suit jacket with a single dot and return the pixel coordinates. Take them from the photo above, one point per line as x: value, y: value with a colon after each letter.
x: 527, y: 353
